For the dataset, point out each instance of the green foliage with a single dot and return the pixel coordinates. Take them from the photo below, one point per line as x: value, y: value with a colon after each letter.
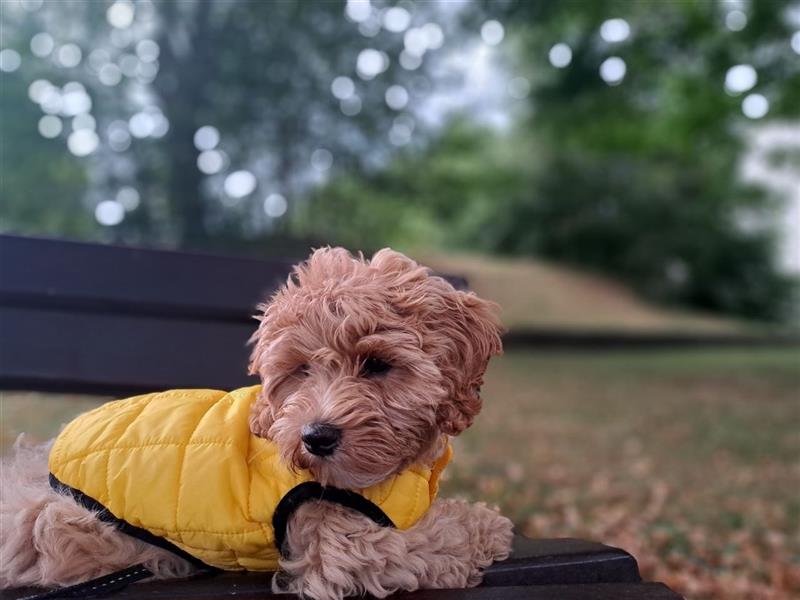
x: 661, y: 223
x: 53, y: 202
x: 638, y: 180
x: 657, y: 224
x: 442, y: 197
x: 260, y: 72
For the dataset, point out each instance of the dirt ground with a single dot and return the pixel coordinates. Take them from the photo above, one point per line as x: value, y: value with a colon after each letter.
x: 689, y: 460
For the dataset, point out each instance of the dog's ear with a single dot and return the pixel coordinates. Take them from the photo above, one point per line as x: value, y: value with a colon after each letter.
x: 261, y: 417
x: 473, y: 329
x: 272, y: 323
x: 465, y: 333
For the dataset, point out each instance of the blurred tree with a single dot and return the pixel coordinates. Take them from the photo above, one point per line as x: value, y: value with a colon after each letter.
x: 467, y: 178
x: 643, y: 109
x: 200, y: 123
x: 627, y: 162
x: 281, y: 91
x: 55, y: 201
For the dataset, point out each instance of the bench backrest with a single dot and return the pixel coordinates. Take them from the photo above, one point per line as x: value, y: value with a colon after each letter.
x: 106, y: 319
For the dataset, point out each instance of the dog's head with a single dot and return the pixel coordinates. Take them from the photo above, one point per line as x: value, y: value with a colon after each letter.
x: 366, y: 364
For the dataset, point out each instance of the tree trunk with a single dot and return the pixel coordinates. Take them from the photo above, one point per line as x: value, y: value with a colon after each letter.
x: 182, y: 100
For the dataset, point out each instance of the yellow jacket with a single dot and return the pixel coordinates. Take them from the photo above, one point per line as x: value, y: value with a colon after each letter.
x: 180, y: 469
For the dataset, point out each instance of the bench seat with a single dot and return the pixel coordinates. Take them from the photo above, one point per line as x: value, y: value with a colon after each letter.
x: 547, y: 569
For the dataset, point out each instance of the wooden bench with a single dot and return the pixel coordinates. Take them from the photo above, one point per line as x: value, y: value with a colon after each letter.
x: 110, y: 320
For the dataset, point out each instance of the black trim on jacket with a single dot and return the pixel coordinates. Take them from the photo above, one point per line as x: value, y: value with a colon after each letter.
x: 294, y: 498
x: 311, y: 490
x: 141, y: 534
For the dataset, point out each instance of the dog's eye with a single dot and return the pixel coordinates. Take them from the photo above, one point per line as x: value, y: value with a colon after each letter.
x: 374, y: 366
x: 301, y: 371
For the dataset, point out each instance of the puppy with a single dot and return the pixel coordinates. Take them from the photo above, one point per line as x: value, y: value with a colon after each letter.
x: 367, y: 369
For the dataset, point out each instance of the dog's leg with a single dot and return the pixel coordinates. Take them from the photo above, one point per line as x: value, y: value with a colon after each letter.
x: 334, y: 552
x: 49, y: 540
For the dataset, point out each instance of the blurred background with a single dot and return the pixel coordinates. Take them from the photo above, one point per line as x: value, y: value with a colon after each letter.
x: 629, y: 168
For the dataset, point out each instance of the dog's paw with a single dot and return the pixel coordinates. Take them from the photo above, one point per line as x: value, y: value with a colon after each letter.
x: 494, y: 534
x: 456, y: 541
x: 334, y: 552
x: 316, y: 583
x: 350, y: 570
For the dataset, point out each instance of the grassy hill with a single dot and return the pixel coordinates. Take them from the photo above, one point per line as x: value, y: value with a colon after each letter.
x: 685, y: 458
x: 537, y: 295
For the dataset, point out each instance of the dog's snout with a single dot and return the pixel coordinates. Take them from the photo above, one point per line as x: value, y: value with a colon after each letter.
x: 321, y: 439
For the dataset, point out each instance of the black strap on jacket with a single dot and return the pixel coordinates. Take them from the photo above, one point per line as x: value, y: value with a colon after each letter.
x: 311, y: 490
x: 99, y: 586
x: 141, y: 534
x: 296, y: 497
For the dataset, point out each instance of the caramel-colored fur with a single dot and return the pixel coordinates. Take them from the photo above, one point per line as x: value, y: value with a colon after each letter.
x: 315, y: 337
x: 47, y: 539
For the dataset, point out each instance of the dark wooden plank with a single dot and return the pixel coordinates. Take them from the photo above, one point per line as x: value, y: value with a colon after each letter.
x: 113, y: 354
x: 54, y: 273
x: 564, y: 560
x: 250, y: 588
x: 589, y: 591
x: 107, y: 319
x: 46, y: 273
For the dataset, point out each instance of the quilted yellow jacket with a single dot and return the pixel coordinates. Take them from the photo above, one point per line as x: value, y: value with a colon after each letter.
x: 180, y: 469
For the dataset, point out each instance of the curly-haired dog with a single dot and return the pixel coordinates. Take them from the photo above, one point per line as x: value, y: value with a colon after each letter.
x: 367, y: 368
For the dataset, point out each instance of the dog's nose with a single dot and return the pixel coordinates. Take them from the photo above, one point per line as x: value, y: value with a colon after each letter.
x: 321, y: 438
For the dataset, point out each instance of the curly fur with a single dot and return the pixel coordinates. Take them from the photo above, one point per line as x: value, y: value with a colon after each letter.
x: 48, y: 539
x: 335, y: 553
x: 315, y: 335
x: 335, y: 311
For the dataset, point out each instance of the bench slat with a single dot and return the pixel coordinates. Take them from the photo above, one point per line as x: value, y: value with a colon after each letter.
x: 47, y: 273
x: 552, y: 568
x: 101, y: 353
x: 228, y: 587
x: 56, y: 273
x: 90, y: 318
x: 562, y: 560
x: 532, y: 562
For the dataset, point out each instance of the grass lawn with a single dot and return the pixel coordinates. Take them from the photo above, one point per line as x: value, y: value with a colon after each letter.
x: 688, y: 459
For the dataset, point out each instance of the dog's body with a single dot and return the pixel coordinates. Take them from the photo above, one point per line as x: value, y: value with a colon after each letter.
x: 366, y: 368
